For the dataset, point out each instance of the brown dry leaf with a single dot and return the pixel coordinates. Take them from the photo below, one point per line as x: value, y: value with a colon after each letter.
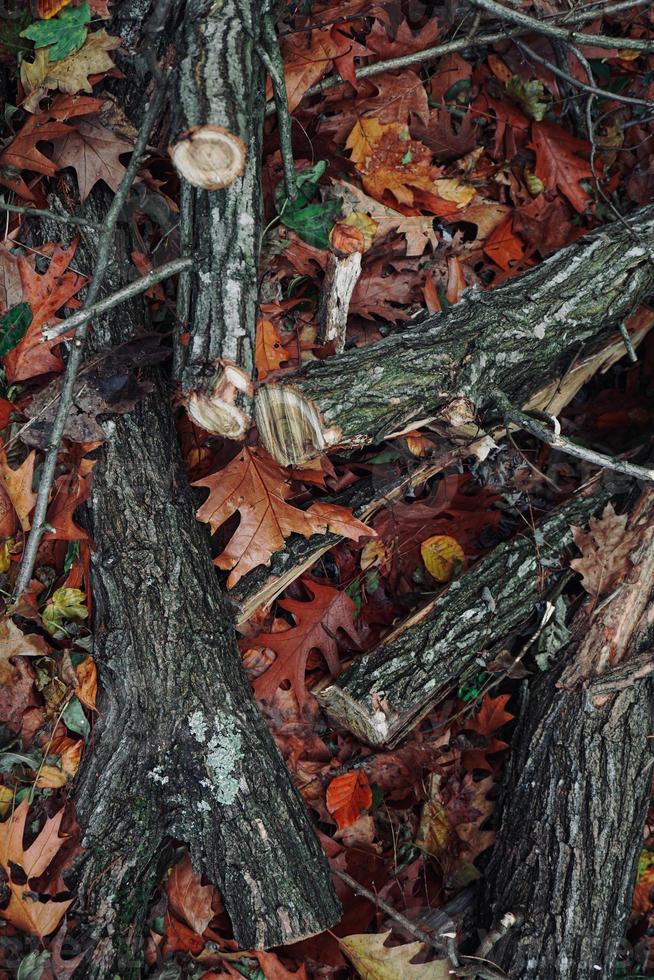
x: 23, y: 153
x: 375, y: 961
x: 24, y: 910
x: 188, y: 898
x: 15, y: 643
x: 18, y: 485
x: 71, y: 74
x: 418, y: 231
x: 270, y: 352
x: 257, y: 487
x: 94, y: 152
x: 11, y: 288
x: 605, y: 551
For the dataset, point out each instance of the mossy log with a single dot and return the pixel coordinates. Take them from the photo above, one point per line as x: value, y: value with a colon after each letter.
x: 387, y: 691
x: 517, y: 339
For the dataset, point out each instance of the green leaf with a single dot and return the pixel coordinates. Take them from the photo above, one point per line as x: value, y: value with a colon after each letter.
x: 66, y: 33
x: 313, y: 222
x: 530, y: 95
x: 13, y: 326
x: 74, y: 718
x: 32, y: 966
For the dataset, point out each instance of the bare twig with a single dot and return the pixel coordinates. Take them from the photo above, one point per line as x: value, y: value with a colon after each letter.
x: 272, y: 59
x: 132, y: 289
x: 563, y: 33
x: 557, y: 441
x: 392, y: 913
x: 460, y: 44
x: 105, y: 246
x: 64, y: 219
x: 602, y: 93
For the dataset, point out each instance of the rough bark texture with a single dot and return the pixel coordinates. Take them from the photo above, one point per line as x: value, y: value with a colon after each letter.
x: 514, y: 339
x: 574, y: 803
x: 180, y: 748
x: 447, y: 639
x: 220, y: 80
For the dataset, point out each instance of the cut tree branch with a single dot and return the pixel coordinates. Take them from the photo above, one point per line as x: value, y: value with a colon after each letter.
x: 515, y: 339
x: 220, y: 84
x: 385, y: 693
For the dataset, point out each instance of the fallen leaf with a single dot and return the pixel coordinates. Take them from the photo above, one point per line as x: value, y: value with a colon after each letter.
x: 442, y: 555
x: 257, y: 487
x: 605, y: 549
x: 22, y: 153
x: 188, y: 898
x: 62, y: 35
x: 11, y: 287
x: 25, y: 911
x: 559, y: 164
x: 18, y: 485
x: 270, y: 352
x: 347, y: 795
x: 71, y: 74
x: 375, y: 961
x: 94, y: 153
x: 15, y: 643
x: 317, y: 624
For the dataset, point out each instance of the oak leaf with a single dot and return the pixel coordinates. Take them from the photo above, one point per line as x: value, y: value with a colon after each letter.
x: 418, y: 230
x: 71, y: 74
x: 18, y: 485
x: 308, y: 57
x: 94, y: 152
x: 15, y: 643
x: 605, y: 551
x: 24, y: 910
x: 347, y: 796
x: 504, y: 247
x: 188, y: 898
x: 258, y: 488
x: 23, y: 153
x: 45, y: 294
x: 559, y: 164
x: 317, y: 623
x: 373, y: 960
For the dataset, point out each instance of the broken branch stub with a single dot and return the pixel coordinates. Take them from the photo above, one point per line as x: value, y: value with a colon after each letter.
x: 209, y: 157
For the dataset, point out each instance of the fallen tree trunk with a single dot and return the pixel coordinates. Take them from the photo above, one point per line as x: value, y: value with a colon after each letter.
x: 514, y: 339
x: 180, y: 748
x: 575, y: 797
x: 386, y: 692
x: 220, y: 102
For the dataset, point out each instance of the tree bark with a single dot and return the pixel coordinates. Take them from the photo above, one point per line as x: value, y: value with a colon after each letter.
x: 577, y: 788
x: 385, y: 693
x: 180, y: 748
x: 574, y: 803
x: 515, y: 339
x: 220, y: 81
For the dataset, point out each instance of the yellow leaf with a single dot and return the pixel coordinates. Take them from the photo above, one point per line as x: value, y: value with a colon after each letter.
x: 5, y: 552
x: 441, y: 555
x: 364, y: 137
x: 71, y: 74
x: 534, y: 184
x: 6, y: 797
x: 64, y: 604
x: 51, y: 778
x: 375, y: 961
x: 365, y: 224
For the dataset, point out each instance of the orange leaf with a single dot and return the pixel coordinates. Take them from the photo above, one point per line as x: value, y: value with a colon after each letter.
x: 491, y: 716
x: 188, y: 898
x: 256, y: 487
x: 24, y: 911
x: 558, y: 163
x: 48, y: 8
x: 270, y: 352
x: 317, y: 623
x: 18, y: 484
x: 504, y: 247
x: 45, y: 294
x: 87, y: 676
x: 347, y: 796
x: 455, y: 280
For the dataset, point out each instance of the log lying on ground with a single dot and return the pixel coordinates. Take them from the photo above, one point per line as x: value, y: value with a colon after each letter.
x: 180, y: 749
x: 220, y: 105
x: 514, y: 339
x: 386, y: 692
x: 266, y: 582
x: 574, y: 801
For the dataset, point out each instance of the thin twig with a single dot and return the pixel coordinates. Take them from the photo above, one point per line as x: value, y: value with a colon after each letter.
x: 64, y: 219
x: 563, y: 33
x: 459, y: 44
x: 557, y: 441
x: 602, y: 93
x: 105, y: 247
x: 272, y: 59
x: 132, y: 289
x: 392, y: 913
